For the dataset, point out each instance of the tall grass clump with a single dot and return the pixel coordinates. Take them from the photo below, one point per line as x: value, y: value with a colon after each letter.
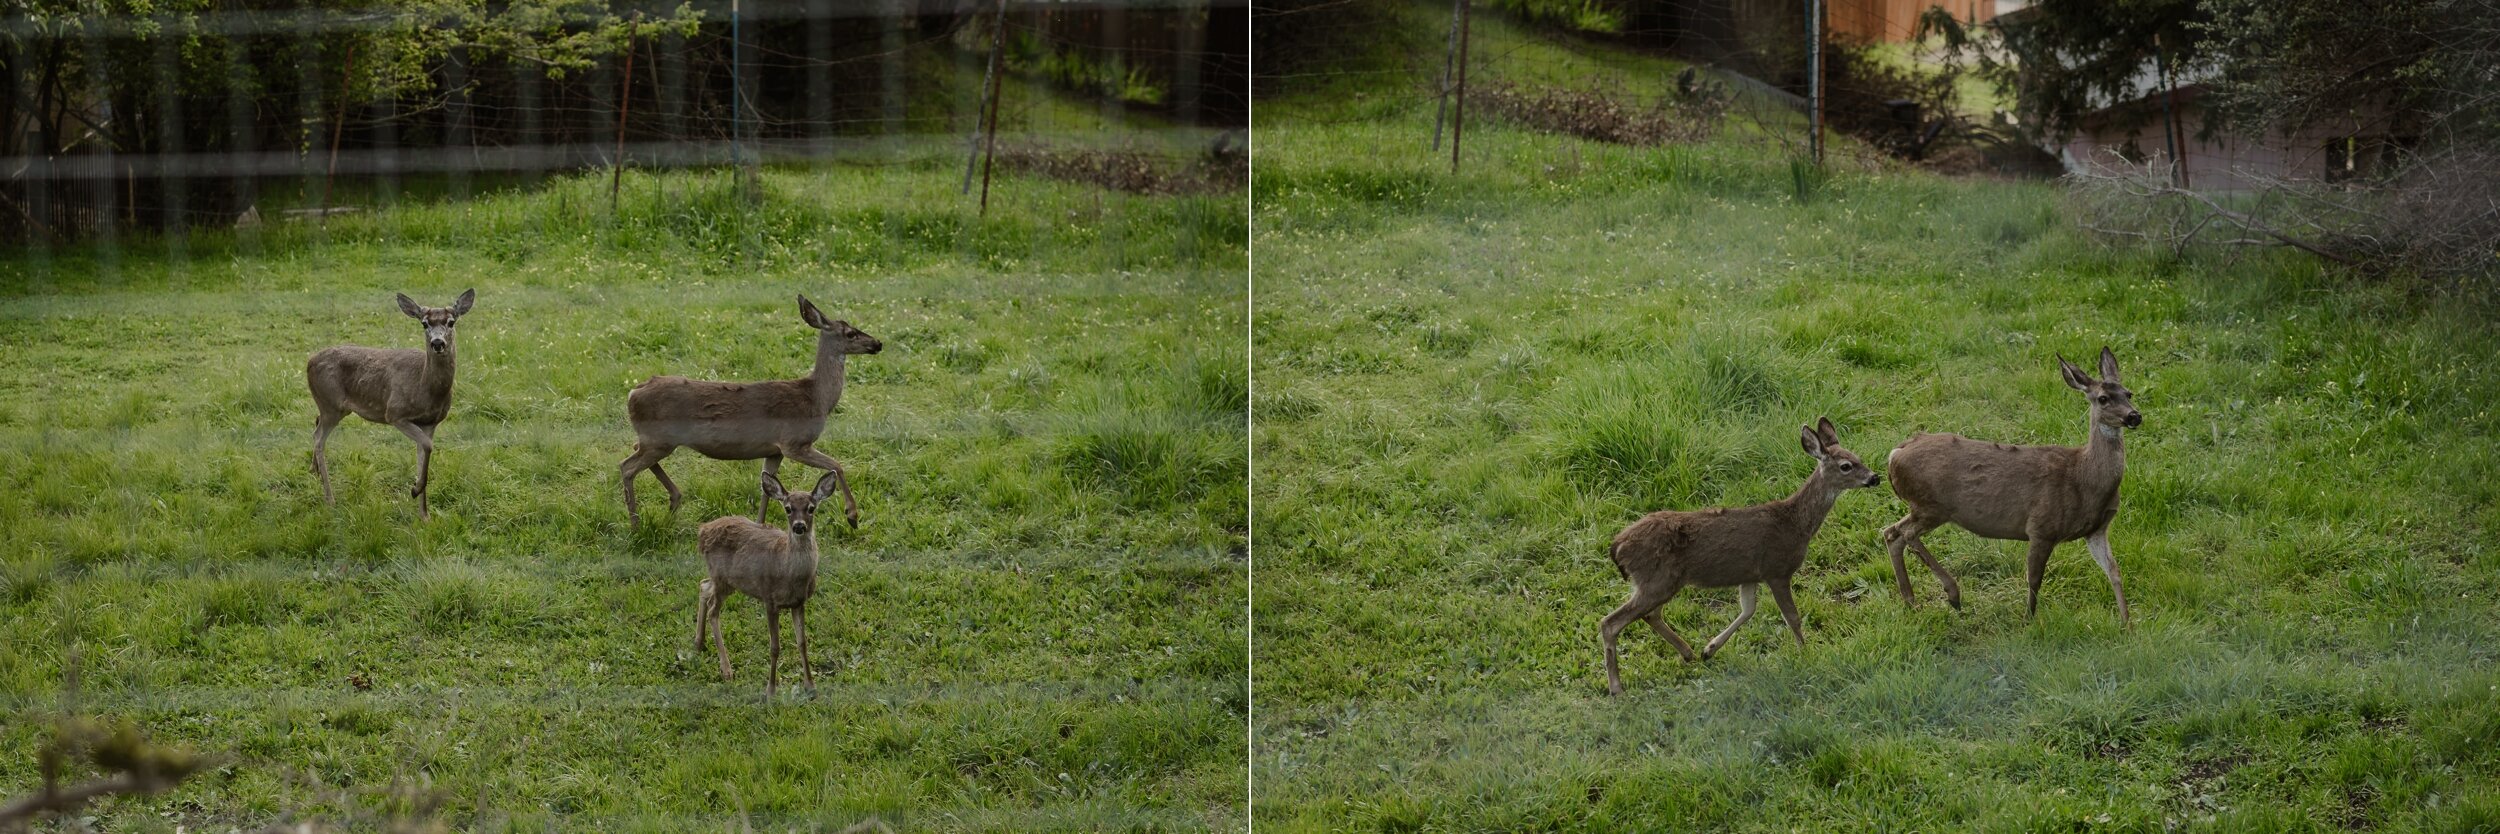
x: 1670, y: 428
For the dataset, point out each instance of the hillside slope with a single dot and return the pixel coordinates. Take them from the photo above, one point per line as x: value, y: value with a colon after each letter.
x: 1467, y: 383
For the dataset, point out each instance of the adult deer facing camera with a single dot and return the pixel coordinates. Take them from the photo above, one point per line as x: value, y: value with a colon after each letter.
x: 745, y: 420
x: 1763, y: 544
x: 409, y: 390
x: 776, y: 567
x: 2040, y: 494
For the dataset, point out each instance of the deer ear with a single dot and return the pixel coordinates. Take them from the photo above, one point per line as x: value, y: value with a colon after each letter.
x: 409, y: 306
x: 825, y: 486
x: 2109, y: 365
x: 2074, y: 376
x: 808, y: 313
x: 1812, y: 442
x: 772, y: 487
x: 461, y: 307
x: 1824, y: 428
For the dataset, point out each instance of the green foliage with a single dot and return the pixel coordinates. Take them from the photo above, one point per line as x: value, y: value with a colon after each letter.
x: 2059, y: 60
x: 1595, y: 16
x: 1080, y: 70
x: 2418, y: 68
x: 398, y: 44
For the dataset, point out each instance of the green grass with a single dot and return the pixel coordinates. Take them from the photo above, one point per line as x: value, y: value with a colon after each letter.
x: 1467, y: 383
x: 1038, y: 626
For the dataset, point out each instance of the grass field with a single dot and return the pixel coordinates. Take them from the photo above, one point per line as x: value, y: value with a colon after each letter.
x: 1038, y: 626
x: 1466, y: 384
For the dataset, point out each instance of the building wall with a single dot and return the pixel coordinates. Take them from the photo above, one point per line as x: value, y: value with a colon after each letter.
x: 2217, y: 164
x: 1897, y: 20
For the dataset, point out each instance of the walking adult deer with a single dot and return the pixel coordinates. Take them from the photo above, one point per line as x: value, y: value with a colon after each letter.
x: 745, y: 420
x: 1746, y: 547
x: 776, y: 567
x: 2041, y: 494
x: 409, y: 390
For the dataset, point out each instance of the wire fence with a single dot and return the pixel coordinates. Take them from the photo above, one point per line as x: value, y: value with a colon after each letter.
x: 111, y: 123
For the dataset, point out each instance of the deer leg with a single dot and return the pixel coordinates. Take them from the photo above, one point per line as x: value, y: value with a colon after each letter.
x: 645, y: 456
x: 772, y: 670
x: 720, y: 636
x: 1658, y: 626
x: 1952, y: 589
x: 1788, y: 609
x: 674, y: 496
x: 1643, y: 602
x: 2036, y: 568
x: 1896, y: 539
x: 1744, y: 612
x: 772, y: 469
x: 2098, y: 543
x: 321, y: 444
x: 808, y: 455
x: 702, y: 613
x: 798, y: 623
x: 424, y: 438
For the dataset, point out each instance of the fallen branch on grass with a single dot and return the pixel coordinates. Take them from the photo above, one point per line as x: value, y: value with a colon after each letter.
x: 2142, y: 200
x: 138, y: 768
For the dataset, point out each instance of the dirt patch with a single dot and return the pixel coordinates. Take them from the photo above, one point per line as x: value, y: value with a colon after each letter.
x: 2355, y: 814
x: 1223, y: 167
x: 1602, y: 116
x: 2209, y: 770
x: 2200, y: 782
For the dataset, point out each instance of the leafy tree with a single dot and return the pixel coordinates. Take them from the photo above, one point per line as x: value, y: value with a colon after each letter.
x: 160, y: 76
x: 2410, y: 67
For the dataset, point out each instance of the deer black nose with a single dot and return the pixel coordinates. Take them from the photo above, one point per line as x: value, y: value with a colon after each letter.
x: 1875, y: 481
x: 2134, y: 420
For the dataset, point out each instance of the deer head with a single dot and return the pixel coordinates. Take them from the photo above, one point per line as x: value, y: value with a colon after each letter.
x: 2112, y: 404
x: 799, y: 507
x: 1833, y: 464
x: 849, y: 339
x: 438, y: 320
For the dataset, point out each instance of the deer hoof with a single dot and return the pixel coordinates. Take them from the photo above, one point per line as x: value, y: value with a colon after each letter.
x: 853, y: 519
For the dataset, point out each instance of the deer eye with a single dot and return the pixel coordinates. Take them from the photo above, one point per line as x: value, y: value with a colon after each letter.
x: 2104, y: 398
x: 1846, y: 466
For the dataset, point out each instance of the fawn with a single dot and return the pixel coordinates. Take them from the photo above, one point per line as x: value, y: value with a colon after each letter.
x: 1746, y: 547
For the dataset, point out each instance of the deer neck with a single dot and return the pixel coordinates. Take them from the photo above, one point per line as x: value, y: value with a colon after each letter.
x: 438, y: 370
x: 1813, y: 501
x: 831, y: 367
x: 802, y: 549
x: 2105, y: 454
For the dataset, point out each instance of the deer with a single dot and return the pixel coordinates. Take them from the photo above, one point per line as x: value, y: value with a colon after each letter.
x: 776, y: 567
x: 745, y: 420
x: 406, y: 389
x: 1748, y: 547
x: 2045, y: 495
